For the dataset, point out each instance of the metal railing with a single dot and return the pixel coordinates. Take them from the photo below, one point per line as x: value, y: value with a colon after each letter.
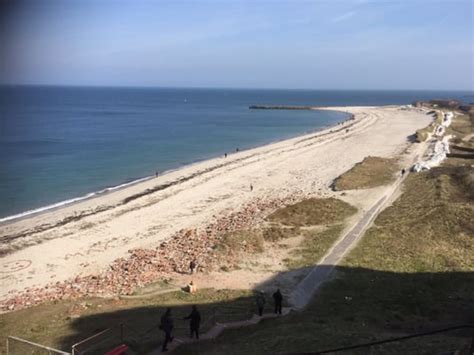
x: 18, y: 346
x: 124, y: 333
x: 103, y: 340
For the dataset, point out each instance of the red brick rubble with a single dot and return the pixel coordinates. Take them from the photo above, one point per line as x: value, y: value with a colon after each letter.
x: 144, y: 266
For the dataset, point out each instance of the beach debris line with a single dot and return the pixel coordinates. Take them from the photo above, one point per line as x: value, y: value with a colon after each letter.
x: 144, y: 266
x: 281, y: 107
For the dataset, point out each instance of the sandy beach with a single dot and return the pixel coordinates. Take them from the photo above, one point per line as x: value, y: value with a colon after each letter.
x: 86, y: 238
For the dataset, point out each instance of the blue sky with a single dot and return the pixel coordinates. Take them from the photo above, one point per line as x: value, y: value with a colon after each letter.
x: 339, y: 44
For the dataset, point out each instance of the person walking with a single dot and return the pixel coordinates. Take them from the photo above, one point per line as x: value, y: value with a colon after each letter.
x: 192, y: 266
x: 260, y: 300
x: 278, y: 299
x: 195, y: 321
x: 166, y: 325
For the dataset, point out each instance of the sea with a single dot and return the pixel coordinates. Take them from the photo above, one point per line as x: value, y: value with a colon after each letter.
x: 59, y: 145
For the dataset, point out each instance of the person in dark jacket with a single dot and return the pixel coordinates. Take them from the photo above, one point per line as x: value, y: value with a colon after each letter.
x: 166, y: 325
x: 195, y: 321
x: 192, y: 266
x: 278, y: 298
x: 260, y: 300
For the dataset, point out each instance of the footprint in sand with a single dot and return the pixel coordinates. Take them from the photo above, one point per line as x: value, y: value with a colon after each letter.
x: 14, y: 266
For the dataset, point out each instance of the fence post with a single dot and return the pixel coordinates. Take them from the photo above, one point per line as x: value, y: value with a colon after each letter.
x: 8, y: 350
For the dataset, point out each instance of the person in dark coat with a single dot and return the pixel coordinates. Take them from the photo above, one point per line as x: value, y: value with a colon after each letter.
x: 192, y: 266
x: 278, y: 298
x: 166, y: 325
x: 195, y: 321
x: 260, y: 300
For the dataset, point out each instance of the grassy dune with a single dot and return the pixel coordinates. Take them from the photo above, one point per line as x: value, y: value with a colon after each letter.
x: 61, y: 324
x: 371, y: 172
x: 424, y: 133
x: 312, y: 212
x: 412, y: 271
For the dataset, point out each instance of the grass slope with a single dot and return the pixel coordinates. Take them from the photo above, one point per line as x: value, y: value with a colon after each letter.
x: 412, y: 271
x: 61, y: 324
x: 424, y: 133
x: 371, y: 172
x: 313, y: 212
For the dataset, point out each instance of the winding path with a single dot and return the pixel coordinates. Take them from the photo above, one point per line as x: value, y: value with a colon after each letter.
x: 321, y: 272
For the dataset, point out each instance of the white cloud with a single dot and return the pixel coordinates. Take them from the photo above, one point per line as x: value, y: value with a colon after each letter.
x: 343, y: 17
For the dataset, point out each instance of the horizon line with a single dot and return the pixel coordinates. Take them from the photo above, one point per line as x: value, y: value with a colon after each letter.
x: 221, y: 87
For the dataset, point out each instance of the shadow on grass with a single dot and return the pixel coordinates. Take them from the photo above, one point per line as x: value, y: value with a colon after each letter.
x: 358, y: 305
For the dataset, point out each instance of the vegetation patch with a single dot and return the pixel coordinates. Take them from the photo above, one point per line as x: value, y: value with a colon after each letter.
x: 424, y: 133
x: 312, y: 212
x: 461, y: 126
x: 276, y: 233
x: 61, y: 324
x: 316, y: 243
x: 318, y: 221
x: 247, y: 241
x: 412, y: 271
x: 371, y: 172
x: 428, y: 229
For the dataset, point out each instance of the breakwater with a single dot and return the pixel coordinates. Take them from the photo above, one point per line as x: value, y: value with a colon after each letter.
x: 281, y: 107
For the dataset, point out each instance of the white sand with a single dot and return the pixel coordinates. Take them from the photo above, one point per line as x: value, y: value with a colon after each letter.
x: 306, y: 164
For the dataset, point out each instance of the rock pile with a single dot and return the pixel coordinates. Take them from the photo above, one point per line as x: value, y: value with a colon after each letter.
x: 144, y: 266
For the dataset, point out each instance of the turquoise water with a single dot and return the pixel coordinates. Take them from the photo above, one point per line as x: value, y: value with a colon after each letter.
x: 59, y: 143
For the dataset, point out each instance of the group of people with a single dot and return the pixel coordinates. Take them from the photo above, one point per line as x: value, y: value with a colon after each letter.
x: 236, y: 150
x: 167, y: 325
x: 277, y: 301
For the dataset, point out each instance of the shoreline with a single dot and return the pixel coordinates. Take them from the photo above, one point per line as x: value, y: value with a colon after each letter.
x: 111, y: 189
x: 90, y: 237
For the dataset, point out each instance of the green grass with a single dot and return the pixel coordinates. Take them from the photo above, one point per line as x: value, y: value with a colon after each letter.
x: 316, y: 243
x: 276, y: 233
x: 461, y: 126
x: 313, y: 212
x: 412, y: 271
x: 423, y: 133
x: 428, y: 229
x: 318, y: 221
x: 253, y: 241
x: 61, y: 324
x: 241, y: 241
x: 324, y: 217
x: 371, y: 172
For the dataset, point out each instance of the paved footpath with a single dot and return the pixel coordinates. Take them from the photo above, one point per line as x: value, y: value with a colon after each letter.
x: 321, y: 273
